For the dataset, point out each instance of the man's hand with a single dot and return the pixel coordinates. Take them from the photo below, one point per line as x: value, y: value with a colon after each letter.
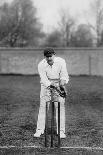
x: 61, y: 90
x: 62, y: 82
x: 53, y: 85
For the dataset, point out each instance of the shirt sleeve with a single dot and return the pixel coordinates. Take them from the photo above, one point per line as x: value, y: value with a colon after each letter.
x: 64, y: 74
x: 43, y: 76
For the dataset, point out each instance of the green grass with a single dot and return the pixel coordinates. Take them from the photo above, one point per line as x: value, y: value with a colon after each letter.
x: 19, y: 105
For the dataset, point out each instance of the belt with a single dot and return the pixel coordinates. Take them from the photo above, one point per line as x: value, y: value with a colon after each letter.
x: 56, y: 80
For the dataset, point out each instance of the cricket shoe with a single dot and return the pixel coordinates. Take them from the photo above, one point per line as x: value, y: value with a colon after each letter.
x: 38, y: 133
x: 62, y: 134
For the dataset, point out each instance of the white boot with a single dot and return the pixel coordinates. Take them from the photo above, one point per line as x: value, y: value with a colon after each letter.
x: 62, y: 134
x: 38, y: 133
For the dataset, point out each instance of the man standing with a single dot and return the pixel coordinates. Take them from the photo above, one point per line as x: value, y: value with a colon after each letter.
x: 53, y: 72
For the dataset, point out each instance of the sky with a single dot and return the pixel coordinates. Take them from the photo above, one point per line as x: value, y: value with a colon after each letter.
x: 48, y: 11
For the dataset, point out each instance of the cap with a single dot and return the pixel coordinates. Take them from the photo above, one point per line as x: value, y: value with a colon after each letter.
x: 48, y: 52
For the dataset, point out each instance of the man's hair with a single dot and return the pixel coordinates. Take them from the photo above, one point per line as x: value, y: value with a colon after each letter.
x: 48, y: 52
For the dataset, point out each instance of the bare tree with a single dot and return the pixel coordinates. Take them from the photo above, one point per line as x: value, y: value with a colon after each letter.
x: 19, y: 25
x: 82, y: 37
x: 66, y: 25
x: 54, y: 39
x: 96, y: 8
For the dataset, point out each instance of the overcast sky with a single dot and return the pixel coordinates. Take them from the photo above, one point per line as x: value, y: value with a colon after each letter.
x: 49, y: 10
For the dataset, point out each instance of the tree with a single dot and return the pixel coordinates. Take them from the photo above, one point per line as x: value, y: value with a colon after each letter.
x: 96, y: 8
x: 66, y: 25
x: 82, y: 37
x: 53, y: 39
x: 19, y: 25
x: 101, y: 41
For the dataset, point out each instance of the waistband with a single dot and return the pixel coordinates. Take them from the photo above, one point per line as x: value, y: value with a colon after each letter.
x: 54, y: 80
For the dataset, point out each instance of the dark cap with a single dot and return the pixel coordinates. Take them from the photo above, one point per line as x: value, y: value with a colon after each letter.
x: 48, y: 52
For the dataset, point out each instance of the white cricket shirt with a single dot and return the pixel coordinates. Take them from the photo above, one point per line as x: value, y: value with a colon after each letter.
x: 57, y: 71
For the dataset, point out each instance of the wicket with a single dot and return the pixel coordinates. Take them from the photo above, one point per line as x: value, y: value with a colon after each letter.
x: 52, y: 123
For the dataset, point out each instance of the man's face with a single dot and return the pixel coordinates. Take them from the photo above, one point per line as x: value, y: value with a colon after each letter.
x: 50, y: 59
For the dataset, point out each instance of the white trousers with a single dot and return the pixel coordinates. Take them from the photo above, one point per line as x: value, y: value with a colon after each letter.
x: 45, y: 96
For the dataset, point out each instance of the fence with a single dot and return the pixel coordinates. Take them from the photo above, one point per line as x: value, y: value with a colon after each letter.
x: 80, y: 61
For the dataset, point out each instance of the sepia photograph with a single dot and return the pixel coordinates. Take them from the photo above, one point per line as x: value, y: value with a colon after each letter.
x: 51, y: 77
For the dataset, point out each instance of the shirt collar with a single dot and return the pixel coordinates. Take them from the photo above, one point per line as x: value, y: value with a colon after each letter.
x: 47, y: 63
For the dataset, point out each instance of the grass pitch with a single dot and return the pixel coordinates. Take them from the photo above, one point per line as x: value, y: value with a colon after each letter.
x: 19, y: 105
